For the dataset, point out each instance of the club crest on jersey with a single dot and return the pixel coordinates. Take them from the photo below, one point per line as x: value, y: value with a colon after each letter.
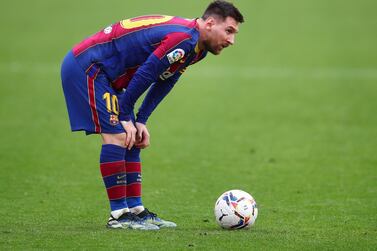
x: 114, y: 120
x: 175, y: 55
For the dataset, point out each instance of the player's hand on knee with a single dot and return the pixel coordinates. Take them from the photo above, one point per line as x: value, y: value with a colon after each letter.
x: 131, y: 133
x: 142, y: 136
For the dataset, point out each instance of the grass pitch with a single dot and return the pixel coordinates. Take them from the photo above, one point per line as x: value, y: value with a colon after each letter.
x: 288, y: 115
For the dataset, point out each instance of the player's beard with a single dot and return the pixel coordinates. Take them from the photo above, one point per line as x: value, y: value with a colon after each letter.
x: 211, y: 48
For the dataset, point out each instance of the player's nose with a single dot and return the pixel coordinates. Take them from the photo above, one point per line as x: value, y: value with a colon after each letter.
x: 230, y: 40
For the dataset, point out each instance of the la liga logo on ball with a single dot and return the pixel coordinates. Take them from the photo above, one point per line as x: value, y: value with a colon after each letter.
x: 236, y: 209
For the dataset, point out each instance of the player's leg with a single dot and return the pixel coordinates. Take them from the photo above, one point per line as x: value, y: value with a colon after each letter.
x: 133, y: 169
x: 87, y: 96
x: 134, y: 184
x: 113, y: 171
x: 113, y: 168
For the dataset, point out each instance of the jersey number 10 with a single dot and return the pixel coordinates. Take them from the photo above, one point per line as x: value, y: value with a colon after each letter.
x: 112, y: 104
x: 144, y: 21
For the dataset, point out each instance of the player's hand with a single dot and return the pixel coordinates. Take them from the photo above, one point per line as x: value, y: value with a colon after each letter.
x: 131, y: 133
x: 142, y: 136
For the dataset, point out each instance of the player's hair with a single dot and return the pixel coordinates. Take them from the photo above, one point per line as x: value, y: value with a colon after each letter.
x: 223, y: 9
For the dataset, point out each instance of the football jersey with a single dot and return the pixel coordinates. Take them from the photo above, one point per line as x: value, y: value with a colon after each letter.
x: 136, y: 52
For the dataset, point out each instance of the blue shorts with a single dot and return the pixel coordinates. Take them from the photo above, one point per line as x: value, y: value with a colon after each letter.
x: 91, y: 101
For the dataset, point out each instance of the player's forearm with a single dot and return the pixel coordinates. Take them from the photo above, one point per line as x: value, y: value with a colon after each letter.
x: 142, y: 80
x: 156, y: 94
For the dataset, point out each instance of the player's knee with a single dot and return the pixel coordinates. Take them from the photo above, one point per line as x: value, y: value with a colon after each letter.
x: 118, y: 139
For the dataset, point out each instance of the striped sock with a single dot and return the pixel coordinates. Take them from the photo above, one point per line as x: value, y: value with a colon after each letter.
x: 133, y: 169
x: 113, y: 172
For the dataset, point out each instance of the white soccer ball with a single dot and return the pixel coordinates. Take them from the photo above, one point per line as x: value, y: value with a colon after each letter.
x: 236, y: 209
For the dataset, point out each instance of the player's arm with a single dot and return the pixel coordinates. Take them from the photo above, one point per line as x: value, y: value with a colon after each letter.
x: 157, y: 92
x: 155, y: 95
x: 152, y: 68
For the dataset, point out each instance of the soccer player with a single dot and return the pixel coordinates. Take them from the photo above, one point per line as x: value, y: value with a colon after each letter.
x: 104, y: 75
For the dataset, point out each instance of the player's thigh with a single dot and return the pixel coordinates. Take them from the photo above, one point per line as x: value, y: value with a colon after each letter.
x: 118, y: 139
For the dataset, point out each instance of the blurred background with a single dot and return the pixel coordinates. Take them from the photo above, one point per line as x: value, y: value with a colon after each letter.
x: 287, y: 114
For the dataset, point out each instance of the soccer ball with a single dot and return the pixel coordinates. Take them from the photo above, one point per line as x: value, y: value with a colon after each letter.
x: 236, y: 209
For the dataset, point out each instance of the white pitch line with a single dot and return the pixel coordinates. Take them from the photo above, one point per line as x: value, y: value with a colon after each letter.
x: 207, y: 71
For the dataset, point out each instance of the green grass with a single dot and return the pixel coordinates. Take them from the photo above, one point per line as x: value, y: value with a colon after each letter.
x: 288, y: 114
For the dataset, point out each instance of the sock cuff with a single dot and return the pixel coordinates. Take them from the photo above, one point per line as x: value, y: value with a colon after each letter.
x: 112, y: 153
x: 137, y: 209
x: 133, y: 155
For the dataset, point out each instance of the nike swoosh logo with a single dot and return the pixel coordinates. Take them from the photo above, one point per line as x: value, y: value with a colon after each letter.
x: 121, y: 177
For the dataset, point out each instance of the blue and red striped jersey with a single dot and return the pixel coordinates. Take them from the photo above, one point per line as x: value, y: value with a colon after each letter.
x: 137, y: 52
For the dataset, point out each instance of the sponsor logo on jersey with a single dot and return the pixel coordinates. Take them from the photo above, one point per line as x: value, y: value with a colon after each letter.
x: 183, y: 70
x: 175, y: 55
x: 166, y: 74
x: 114, y: 119
x: 108, y: 30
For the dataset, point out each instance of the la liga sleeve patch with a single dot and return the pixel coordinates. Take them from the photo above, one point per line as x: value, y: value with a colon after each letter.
x: 175, y: 55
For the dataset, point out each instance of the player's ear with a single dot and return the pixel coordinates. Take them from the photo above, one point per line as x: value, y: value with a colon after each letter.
x: 209, y: 23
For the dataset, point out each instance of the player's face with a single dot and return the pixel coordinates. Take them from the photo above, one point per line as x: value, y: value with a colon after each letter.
x: 220, y: 34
